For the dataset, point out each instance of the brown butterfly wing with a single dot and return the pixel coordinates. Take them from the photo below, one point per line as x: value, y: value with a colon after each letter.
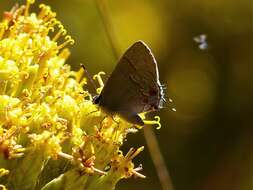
x: 133, y: 86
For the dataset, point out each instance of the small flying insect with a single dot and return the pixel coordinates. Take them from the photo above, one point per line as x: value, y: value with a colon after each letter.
x: 201, y: 40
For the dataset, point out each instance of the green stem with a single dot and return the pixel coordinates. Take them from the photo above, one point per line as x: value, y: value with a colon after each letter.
x: 72, y: 179
x: 109, y: 29
x: 157, y: 158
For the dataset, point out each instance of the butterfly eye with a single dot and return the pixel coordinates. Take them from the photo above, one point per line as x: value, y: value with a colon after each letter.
x: 96, y: 99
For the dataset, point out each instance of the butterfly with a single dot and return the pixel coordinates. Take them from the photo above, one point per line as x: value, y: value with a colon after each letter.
x: 134, y: 86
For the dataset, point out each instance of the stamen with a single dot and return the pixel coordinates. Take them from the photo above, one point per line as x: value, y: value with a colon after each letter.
x: 11, y: 131
x: 13, y: 29
x: 64, y: 54
x: 18, y: 151
x: 154, y: 122
x: 51, y: 23
x: 3, y: 27
x: 49, y: 16
x: 44, y: 11
x: 69, y: 40
x: 49, y: 26
x: 98, y: 171
x: 28, y: 3
x: 47, y: 30
x: 2, y: 187
x: 14, y: 9
x: 66, y: 156
x: 3, y: 86
x: 3, y: 172
x: 139, y: 168
x: 133, y: 153
x: 83, y: 82
x: 19, y: 11
x: 138, y: 174
x: 61, y: 31
x: 100, y: 81
x: 131, y: 130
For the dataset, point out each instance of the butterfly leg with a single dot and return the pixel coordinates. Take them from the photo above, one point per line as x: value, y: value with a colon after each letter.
x: 92, y: 112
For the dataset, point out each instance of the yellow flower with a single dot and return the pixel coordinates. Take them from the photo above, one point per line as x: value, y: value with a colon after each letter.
x: 46, y: 115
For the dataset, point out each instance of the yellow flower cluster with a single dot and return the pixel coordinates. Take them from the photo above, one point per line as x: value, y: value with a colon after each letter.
x: 46, y: 115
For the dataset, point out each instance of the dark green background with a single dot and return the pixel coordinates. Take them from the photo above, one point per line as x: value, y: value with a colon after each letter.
x: 207, y: 143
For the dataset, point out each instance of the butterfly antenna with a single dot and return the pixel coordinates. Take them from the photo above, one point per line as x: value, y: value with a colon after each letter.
x: 87, y: 74
x: 103, y: 12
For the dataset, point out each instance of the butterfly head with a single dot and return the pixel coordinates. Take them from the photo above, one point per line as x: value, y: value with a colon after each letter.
x: 96, y: 99
x: 154, y: 99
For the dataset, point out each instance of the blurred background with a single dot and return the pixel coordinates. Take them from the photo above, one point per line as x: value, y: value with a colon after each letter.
x: 208, y: 142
